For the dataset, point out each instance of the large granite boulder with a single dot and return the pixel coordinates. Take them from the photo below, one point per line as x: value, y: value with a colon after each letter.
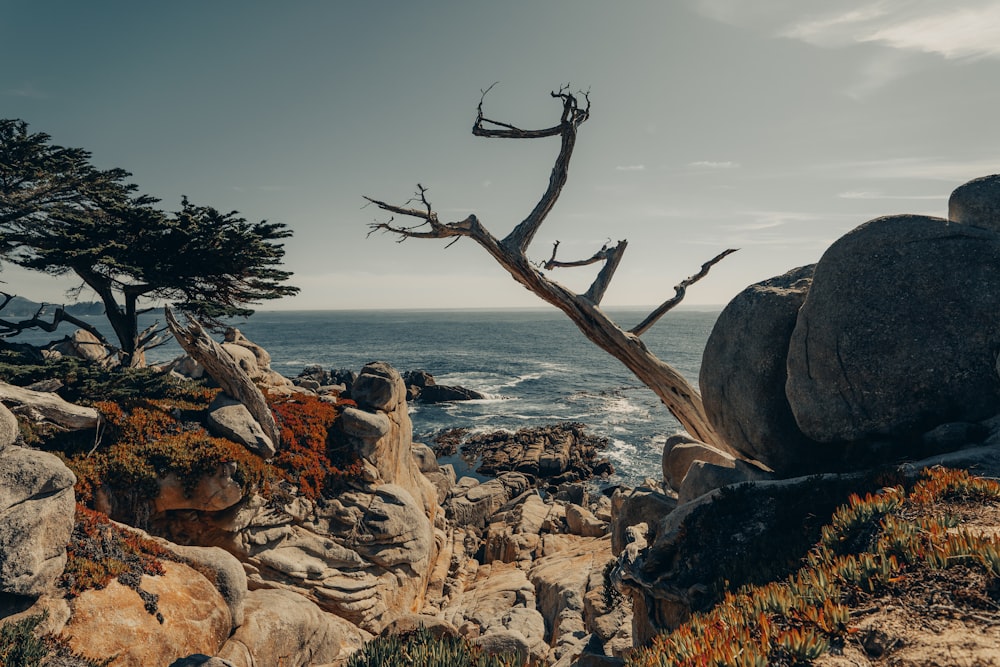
x: 115, y: 621
x: 9, y: 430
x: 898, y: 332
x: 282, y: 628
x: 36, y: 519
x: 229, y: 418
x: 743, y: 374
x: 977, y: 203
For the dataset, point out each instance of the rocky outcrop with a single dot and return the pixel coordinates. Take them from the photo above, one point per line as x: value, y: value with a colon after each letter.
x: 113, y: 621
x: 211, y: 493
x: 36, y: 519
x: 84, y: 345
x: 229, y: 418
x: 743, y: 374
x: 553, y: 455
x: 282, y: 628
x: 977, y: 203
x: 917, y: 350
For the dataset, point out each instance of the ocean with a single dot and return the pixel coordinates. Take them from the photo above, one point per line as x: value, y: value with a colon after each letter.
x: 534, y: 365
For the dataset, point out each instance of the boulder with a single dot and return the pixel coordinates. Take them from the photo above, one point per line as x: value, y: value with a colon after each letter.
x: 282, y: 628
x: 234, y: 336
x: 245, y: 359
x: 680, y: 451
x: 210, y: 493
x: 229, y: 418
x: 703, y: 477
x: 581, y: 521
x: 743, y: 374
x: 36, y: 519
x: 646, y: 505
x: 977, y: 203
x: 114, y: 620
x: 221, y: 568
x: 897, y: 334
x: 514, y: 532
x: 473, y: 504
x: 9, y: 430
x: 440, y: 393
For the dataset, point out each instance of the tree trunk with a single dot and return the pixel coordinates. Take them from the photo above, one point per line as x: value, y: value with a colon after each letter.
x: 677, y: 394
x: 224, y: 370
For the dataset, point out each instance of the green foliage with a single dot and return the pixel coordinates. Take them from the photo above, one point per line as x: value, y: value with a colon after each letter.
x: 796, y: 620
x: 421, y: 649
x: 19, y: 646
x: 59, y: 215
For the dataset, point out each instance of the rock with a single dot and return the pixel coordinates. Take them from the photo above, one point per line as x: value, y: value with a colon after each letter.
x: 368, y: 427
x: 951, y: 436
x: 916, y: 349
x: 425, y: 458
x: 439, y: 393
x: 500, y: 601
x: 36, y: 519
x: 9, y: 430
x: 680, y: 451
x: 977, y: 203
x: 229, y: 418
x: 419, y: 379
x: 244, y: 358
x: 703, y: 477
x: 514, y: 532
x: 409, y: 622
x: 582, y: 521
x: 555, y: 455
x: 505, y: 642
x: 743, y: 374
x: 114, y: 620
x: 570, y: 567
x: 210, y: 494
x: 201, y: 660
x: 234, y: 336
x: 282, y: 628
x: 378, y: 387
x: 642, y: 505
x: 221, y: 568
x: 475, y: 505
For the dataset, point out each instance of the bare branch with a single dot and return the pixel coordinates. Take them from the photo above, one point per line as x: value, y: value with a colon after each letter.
x: 438, y: 230
x: 600, y: 285
x: 10, y: 328
x: 553, y: 263
x: 679, y: 292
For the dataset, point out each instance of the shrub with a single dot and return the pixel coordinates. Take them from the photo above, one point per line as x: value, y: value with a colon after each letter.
x: 420, y: 648
x: 100, y: 551
x: 311, y: 457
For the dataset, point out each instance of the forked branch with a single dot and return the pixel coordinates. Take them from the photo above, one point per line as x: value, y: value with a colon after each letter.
x: 679, y: 292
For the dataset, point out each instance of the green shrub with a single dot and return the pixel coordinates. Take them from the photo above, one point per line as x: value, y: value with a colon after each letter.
x: 422, y: 649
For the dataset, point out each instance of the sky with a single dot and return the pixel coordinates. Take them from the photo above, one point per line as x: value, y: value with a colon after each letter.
x: 773, y: 126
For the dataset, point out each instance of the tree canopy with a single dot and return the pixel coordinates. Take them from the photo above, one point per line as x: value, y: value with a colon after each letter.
x: 60, y: 215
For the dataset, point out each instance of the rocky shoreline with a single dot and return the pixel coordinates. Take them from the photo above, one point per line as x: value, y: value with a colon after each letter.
x: 291, y: 521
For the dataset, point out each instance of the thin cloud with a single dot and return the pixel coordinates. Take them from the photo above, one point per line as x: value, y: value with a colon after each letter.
x: 853, y: 194
x: 918, y: 167
x: 710, y: 164
x: 630, y: 167
x: 28, y: 91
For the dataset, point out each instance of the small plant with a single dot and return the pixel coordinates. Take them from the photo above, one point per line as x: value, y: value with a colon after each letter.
x: 100, y: 551
x: 19, y: 646
x: 420, y: 648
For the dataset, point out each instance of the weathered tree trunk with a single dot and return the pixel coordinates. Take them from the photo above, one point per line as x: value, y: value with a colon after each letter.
x: 46, y: 406
x: 677, y: 394
x: 233, y: 379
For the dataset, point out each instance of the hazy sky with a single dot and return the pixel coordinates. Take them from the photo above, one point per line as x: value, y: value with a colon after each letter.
x: 774, y: 126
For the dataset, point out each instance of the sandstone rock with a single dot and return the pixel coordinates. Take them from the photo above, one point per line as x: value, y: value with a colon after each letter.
x: 582, y: 521
x: 378, y: 387
x: 562, y: 578
x: 474, y: 505
x: 424, y: 457
x: 36, y: 519
x: 200, y: 660
x: 229, y: 418
x: 703, y: 477
x: 210, y: 494
x: 405, y: 623
x: 9, y: 430
x: 114, y: 621
x: 513, y: 534
x: 680, y: 451
x: 234, y: 336
x: 743, y: 374
x: 223, y: 570
x: 501, y: 602
x: 282, y: 628
x: 977, y: 203
x: 916, y: 350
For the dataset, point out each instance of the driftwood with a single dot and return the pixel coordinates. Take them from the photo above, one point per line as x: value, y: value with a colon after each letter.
x: 224, y: 370
x: 677, y: 394
x: 45, y: 406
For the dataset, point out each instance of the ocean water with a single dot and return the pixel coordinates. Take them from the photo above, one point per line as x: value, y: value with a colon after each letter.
x: 534, y: 365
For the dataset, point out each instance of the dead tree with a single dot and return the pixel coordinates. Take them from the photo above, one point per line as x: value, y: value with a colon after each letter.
x: 679, y: 396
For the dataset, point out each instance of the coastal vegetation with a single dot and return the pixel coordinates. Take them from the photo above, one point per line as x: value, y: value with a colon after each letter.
x: 60, y: 215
